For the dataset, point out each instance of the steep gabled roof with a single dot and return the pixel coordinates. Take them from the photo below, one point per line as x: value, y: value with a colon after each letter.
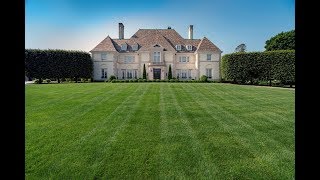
x: 147, y: 38
x: 105, y: 45
x: 148, y: 41
x: 206, y: 45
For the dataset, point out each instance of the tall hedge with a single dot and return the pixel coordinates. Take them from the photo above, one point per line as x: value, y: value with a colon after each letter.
x: 255, y: 66
x: 58, y: 64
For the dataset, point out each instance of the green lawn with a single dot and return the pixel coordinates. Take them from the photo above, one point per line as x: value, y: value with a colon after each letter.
x: 159, y: 131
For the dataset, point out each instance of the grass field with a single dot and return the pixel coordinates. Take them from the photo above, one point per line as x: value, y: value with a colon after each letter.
x: 159, y: 131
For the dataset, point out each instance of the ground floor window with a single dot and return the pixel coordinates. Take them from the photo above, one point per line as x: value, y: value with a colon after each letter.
x: 209, y: 73
x: 129, y: 74
x: 183, y: 73
x: 104, y: 73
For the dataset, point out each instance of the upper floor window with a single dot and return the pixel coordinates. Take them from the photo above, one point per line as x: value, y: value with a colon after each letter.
x: 103, y: 56
x: 208, y: 57
x: 184, y: 59
x: 189, y: 47
x: 178, y: 47
x: 135, y: 47
x: 123, y: 47
x: 128, y: 59
x: 156, y: 56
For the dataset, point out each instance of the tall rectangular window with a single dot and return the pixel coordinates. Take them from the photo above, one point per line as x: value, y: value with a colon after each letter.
x: 209, y: 73
x: 184, y: 59
x: 104, y: 73
x: 178, y: 73
x: 208, y: 57
x: 156, y: 56
x: 103, y: 56
x: 123, y: 73
x: 129, y: 73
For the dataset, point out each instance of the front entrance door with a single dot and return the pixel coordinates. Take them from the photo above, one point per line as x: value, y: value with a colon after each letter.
x: 156, y: 73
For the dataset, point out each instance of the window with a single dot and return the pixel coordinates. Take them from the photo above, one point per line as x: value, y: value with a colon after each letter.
x: 156, y: 56
x: 104, y: 73
x: 135, y: 47
x: 184, y: 59
x: 128, y: 59
x: 129, y: 73
x: 209, y: 73
x: 123, y: 47
x: 184, y: 73
x: 208, y: 57
x: 178, y: 47
x: 103, y: 56
x: 189, y: 47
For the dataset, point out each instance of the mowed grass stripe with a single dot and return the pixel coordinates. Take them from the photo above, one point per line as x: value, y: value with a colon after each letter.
x: 159, y: 131
x: 77, y: 128
x: 273, y: 150
x: 201, y: 164
x: 100, y: 140
x: 133, y: 153
x: 280, y: 127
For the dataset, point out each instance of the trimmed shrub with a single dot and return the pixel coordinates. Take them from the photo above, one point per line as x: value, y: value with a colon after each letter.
x: 204, y: 78
x: 259, y: 66
x: 48, y: 81
x: 112, y: 77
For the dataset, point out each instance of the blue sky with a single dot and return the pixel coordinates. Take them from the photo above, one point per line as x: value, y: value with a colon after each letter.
x: 82, y: 24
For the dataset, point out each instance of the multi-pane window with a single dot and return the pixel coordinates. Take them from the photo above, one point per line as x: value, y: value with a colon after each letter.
x: 183, y: 73
x: 129, y: 73
x: 209, y: 73
x: 135, y: 47
x: 189, y: 47
x: 208, y: 57
x: 128, y: 59
x: 156, y: 56
x: 184, y: 59
x: 123, y: 47
x: 178, y: 47
x: 104, y: 73
x: 103, y: 56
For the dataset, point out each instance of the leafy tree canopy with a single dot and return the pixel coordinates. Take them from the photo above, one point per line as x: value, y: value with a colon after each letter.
x: 282, y: 41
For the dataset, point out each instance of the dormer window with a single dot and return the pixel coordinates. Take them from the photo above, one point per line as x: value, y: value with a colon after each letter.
x: 123, y: 47
x: 178, y: 47
x: 189, y: 47
x: 135, y: 47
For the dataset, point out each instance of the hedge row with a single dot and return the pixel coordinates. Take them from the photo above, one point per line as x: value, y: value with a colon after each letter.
x: 259, y: 66
x: 46, y: 64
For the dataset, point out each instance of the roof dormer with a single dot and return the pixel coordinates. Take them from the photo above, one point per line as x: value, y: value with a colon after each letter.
x: 124, y: 47
x: 178, y: 47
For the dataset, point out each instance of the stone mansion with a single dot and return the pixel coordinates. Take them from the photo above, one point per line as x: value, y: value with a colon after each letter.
x: 156, y: 49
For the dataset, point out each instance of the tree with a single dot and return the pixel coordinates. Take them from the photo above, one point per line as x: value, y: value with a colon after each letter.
x: 241, y: 48
x: 144, y: 75
x: 282, y: 41
x: 170, y: 72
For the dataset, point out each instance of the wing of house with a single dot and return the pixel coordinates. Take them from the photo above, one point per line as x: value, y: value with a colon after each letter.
x: 157, y: 49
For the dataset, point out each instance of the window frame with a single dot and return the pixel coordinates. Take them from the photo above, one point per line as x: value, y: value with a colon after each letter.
x: 124, y: 45
x: 178, y: 47
x: 104, y: 54
x: 156, y: 56
x: 104, y: 73
x: 189, y: 49
x: 209, y: 55
x: 209, y: 70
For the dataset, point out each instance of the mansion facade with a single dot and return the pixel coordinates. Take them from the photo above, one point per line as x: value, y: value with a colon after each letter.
x: 156, y: 49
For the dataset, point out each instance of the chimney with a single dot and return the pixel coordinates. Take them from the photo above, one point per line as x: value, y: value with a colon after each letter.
x: 191, y: 32
x: 121, y: 31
